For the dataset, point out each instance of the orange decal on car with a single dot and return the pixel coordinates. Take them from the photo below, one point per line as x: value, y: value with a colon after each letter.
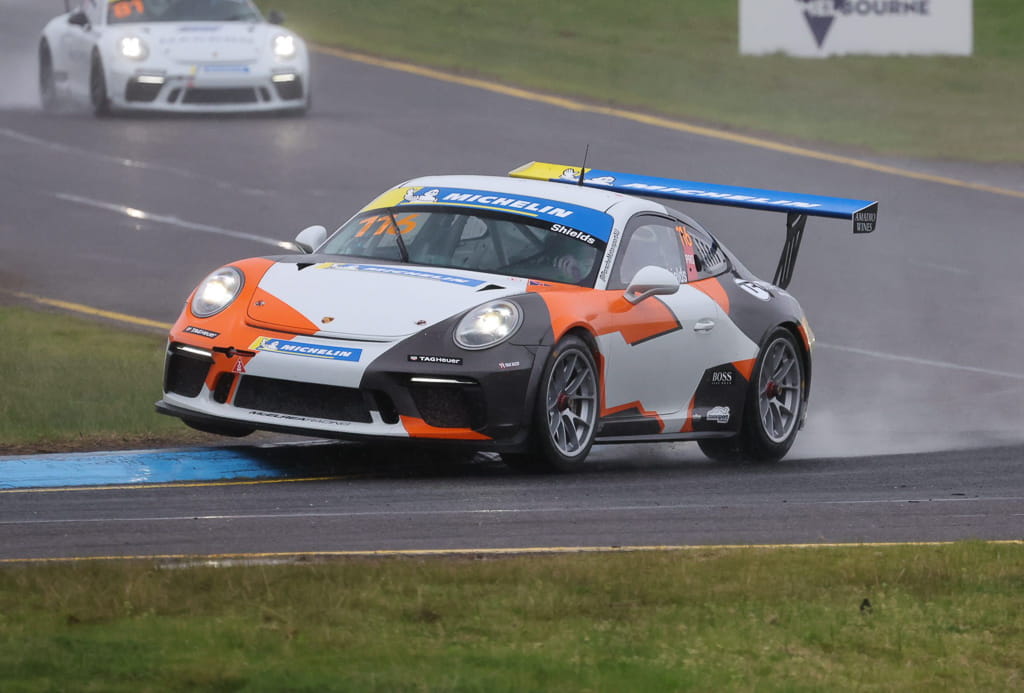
x: 418, y: 428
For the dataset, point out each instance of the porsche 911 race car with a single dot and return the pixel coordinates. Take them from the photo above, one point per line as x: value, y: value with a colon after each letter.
x: 532, y: 315
x: 194, y: 56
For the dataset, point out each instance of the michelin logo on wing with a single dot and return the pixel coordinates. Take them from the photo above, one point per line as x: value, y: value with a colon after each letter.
x: 572, y: 174
x: 293, y: 348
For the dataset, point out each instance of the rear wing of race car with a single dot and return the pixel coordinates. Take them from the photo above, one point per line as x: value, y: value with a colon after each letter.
x: 863, y: 213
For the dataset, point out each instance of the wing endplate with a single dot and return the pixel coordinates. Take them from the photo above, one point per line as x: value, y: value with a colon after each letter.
x: 863, y: 213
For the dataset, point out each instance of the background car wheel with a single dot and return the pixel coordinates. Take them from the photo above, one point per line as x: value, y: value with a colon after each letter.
x: 47, y: 87
x: 98, y: 88
x: 565, y: 413
x: 217, y: 429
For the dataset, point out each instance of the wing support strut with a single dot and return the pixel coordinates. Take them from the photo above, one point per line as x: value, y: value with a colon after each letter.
x: 795, y: 222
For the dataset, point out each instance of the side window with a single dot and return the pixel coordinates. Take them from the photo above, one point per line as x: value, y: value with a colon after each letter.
x: 649, y: 240
x: 708, y: 258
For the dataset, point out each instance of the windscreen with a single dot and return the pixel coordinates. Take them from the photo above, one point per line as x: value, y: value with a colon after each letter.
x: 471, y: 239
x: 129, y: 11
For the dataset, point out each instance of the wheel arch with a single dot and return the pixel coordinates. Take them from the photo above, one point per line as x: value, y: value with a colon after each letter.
x: 800, y: 336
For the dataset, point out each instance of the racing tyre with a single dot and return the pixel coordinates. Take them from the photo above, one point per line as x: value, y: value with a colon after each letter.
x: 230, y: 430
x: 775, y: 405
x: 47, y: 87
x: 721, y: 449
x: 565, y: 413
x: 98, y: 88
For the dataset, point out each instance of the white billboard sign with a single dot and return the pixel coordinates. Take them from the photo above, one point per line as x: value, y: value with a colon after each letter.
x: 819, y: 28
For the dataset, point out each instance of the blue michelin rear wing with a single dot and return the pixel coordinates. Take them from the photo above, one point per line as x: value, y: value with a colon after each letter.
x: 863, y: 213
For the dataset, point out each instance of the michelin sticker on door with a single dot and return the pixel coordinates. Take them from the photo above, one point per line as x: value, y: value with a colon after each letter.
x: 819, y: 28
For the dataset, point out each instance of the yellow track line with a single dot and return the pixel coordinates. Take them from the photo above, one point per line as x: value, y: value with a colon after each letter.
x: 658, y: 121
x: 426, y: 553
x: 89, y: 310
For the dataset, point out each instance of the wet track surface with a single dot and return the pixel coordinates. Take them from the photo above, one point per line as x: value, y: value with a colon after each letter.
x: 368, y: 501
x: 916, y: 430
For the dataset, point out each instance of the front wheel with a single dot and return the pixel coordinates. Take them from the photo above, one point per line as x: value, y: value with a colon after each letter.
x: 775, y: 405
x: 47, y: 85
x: 566, y: 411
x: 98, y: 88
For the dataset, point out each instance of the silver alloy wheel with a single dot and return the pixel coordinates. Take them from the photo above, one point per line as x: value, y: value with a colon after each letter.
x: 779, y: 390
x: 571, y: 399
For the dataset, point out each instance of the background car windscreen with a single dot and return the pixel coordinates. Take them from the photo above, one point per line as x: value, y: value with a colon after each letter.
x: 128, y: 11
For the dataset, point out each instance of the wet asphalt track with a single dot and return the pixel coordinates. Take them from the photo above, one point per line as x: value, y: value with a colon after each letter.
x: 915, y: 431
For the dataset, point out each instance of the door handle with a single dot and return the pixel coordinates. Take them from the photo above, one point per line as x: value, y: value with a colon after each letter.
x: 704, y: 325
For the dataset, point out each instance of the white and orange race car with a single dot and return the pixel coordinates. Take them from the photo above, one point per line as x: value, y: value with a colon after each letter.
x: 532, y: 315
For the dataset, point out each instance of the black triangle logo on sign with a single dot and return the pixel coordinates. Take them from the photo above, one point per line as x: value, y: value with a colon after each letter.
x: 819, y: 26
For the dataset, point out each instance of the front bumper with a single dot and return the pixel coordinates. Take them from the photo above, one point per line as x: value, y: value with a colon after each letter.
x: 397, y: 391
x: 209, y: 89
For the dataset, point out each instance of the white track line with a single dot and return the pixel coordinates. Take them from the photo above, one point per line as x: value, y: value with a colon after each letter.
x: 921, y: 362
x: 131, y: 163
x: 141, y: 215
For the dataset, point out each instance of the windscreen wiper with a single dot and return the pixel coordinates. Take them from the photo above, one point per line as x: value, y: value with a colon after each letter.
x: 398, y: 236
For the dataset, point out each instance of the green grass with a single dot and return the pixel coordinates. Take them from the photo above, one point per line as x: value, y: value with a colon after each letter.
x: 682, y: 59
x: 74, y: 383
x: 940, y: 618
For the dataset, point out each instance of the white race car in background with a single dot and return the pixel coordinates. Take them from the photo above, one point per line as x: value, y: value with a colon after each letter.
x: 197, y: 56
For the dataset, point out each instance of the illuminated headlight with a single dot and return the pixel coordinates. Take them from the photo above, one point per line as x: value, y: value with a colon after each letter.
x: 133, y: 47
x: 488, y: 325
x: 216, y: 292
x: 284, y: 46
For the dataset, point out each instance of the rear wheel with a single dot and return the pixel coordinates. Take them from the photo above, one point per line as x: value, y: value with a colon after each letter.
x: 98, y: 88
x: 565, y: 413
x: 774, y: 408
x: 47, y: 86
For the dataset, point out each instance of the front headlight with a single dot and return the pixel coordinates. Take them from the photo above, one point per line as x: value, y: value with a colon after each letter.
x: 284, y: 46
x: 133, y: 47
x: 216, y: 292
x: 488, y: 325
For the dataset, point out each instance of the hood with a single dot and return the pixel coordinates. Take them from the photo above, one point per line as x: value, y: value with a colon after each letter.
x: 369, y: 301
x: 208, y: 42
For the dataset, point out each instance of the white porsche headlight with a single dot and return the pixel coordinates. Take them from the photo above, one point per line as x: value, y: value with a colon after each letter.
x: 284, y: 46
x: 488, y: 325
x: 133, y: 47
x: 216, y: 292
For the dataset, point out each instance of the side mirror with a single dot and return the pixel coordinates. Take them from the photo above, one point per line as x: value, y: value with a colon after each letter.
x: 651, y: 281
x: 275, y: 17
x: 310, y: 238
x: 78, y: 19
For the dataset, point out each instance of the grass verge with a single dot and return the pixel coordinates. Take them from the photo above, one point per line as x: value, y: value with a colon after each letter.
x: 865, y: 618
x: 72, y: 383
x: 682, y: 59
